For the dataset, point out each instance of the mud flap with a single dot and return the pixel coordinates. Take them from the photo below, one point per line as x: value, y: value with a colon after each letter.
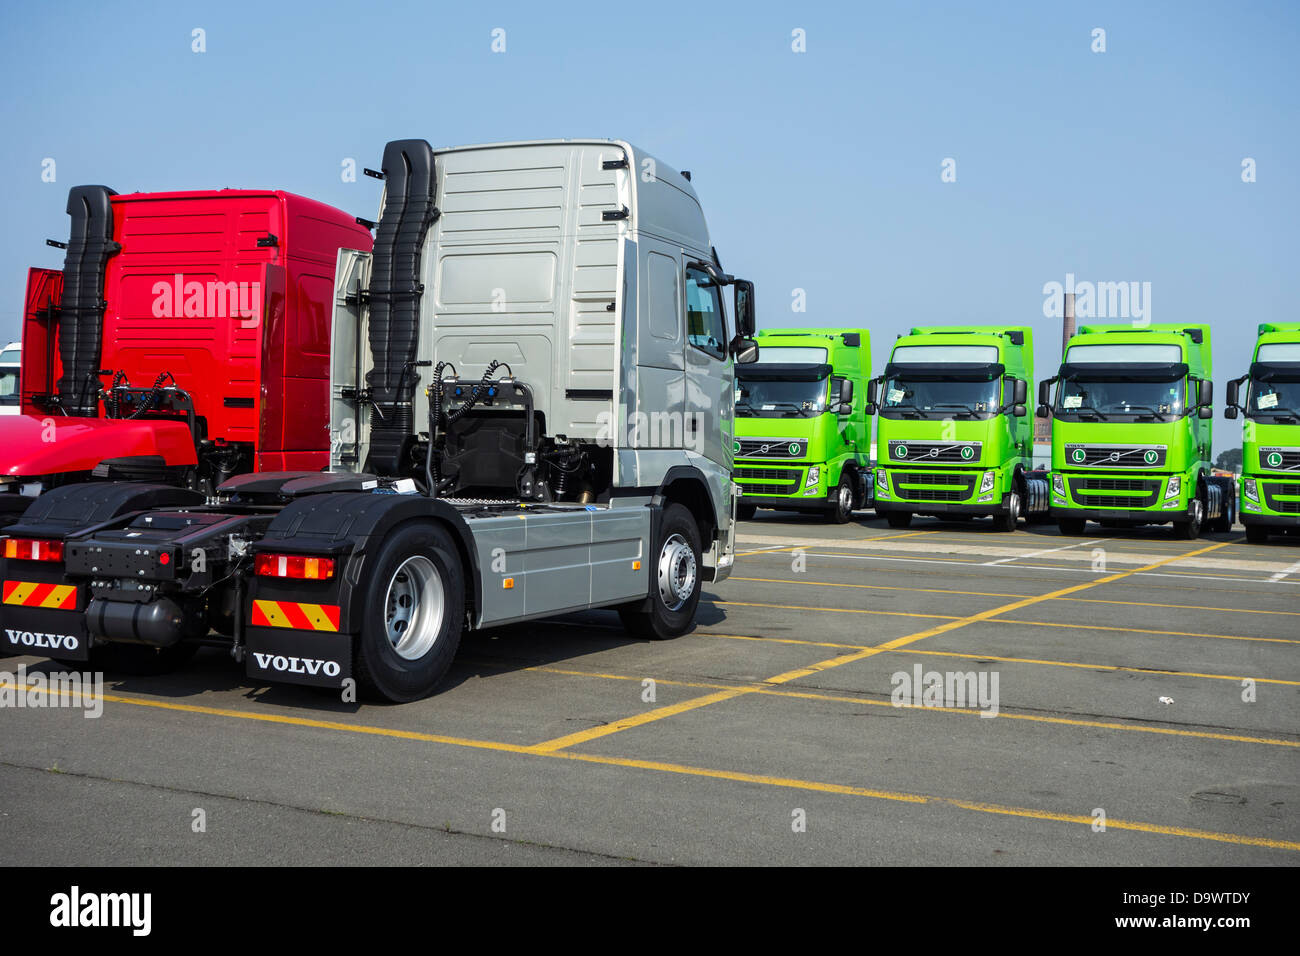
x: 45, y: 633
x: 298, y: 657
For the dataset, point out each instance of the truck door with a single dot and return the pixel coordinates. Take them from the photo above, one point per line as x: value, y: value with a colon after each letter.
x: 41, y: 367
x: 709, y: 398
x: 349, y: 418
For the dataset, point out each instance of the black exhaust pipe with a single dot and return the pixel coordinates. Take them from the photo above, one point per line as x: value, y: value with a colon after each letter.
x: 395, y: 291
x: 81, y: 314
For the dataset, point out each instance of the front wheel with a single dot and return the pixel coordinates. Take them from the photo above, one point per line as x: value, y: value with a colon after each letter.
x: 1009, y: 519
x: 414, y: 609
x: 675, y: 585
x: 1190, y: 529
x: 899, y: 519
x: 841, y: 509
x: 1072, y: 527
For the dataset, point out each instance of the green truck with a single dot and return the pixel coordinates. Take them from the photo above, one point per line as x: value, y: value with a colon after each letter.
x: 953, y: 436
x: 1270, y: 447
x: 803, y: 434
x: 1131, y: 431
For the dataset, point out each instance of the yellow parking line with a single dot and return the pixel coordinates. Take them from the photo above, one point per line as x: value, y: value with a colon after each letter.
x: 595, y: 733
x: 960, y: 711
x: 790, y: 783
x: 1184, y: 607
x: 1146, y: 630
x: 877, y: 587
x: 834, y: 610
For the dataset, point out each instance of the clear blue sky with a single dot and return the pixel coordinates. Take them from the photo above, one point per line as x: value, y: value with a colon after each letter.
x: 818, y: 170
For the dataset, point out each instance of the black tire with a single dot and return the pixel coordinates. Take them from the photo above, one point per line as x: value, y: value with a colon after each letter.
x: 899, y: 519
x: 745, y: 512
x: 1256, y: 534
x: 1072, y: 527
x: 134, y: 660
x: 843, y: 500
x: 1190, y: 529
x: 654, y: 618
x: 413, y: 609
x: 1009, y: 519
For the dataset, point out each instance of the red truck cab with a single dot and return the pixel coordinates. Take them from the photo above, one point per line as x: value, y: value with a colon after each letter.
x: 186, y: 340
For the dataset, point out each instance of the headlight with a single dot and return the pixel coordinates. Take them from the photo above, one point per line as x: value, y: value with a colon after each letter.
x: 1058, y: 484
x: 1175, y: 486
x: 881, y: 481
x: 813, y: 474
x: 1251, y: 491
x: 987, y: 483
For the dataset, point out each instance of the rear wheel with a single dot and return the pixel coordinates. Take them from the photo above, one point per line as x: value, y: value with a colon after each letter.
x: 675, y: 584
x: 1256, y: 534
x: 841, y: 509
x: 414, y: 609
x: 745, y: 512
x: 1190, y: 529
x: 1072, y: 527
x: 1009, y: 519
x: 899, y: 519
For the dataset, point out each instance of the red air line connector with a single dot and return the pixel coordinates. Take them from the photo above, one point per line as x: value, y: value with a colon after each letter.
x: 30, y: 549
x: 293, y: 566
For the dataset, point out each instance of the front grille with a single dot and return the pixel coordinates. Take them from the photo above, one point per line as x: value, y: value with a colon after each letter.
x: 954, y: 487
x: 964, y: 452
x: 769, y: 481
x: 770, y: 447
x: 1272, y: 492
x: 1081, y: 488
x: 1280, y: 459
x: 1115, y: 456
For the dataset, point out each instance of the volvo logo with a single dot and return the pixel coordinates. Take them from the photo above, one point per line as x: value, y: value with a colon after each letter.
x: 296, y: 665
x: 54, y: 642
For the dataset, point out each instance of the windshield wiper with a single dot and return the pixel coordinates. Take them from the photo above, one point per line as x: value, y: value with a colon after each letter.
x: 1280, y: 411
x: 1088, y: 408
x: 904, y: 409
x: 969, y: 411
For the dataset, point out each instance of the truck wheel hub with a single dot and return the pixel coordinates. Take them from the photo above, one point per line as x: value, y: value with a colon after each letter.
x: 676, y: 572
x: 413, y: 608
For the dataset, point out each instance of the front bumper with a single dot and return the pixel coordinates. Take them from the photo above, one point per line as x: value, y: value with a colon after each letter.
x: 1139, y: 515
x: 943, y: 507
x: 1268, y: 521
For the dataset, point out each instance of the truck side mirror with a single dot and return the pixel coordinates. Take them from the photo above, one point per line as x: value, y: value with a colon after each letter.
x: 1205, y: 392
x: 1042, y: 412
x: 1019, y: 411
x: 744, y: 351
x: 846, y: 391
x: 744, y: 303
x: 871, y: 394
x: 1234, y: 394
x: 1044, y: 396
x: 1230, y: 411
x: 1020, y: 393
x: 1205, y: 411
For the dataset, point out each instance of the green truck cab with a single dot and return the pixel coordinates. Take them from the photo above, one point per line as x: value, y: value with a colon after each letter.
x: 803, y: 433
x: 953, y: 436
x: 1131, y: 431
x: 1270, y: 447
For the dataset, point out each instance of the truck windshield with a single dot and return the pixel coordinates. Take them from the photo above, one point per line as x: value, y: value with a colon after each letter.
x: 925, y: 398
x: 1129, y: 400
x: 779, y: 398
x: 1274, y: 400
x: 8, y: 386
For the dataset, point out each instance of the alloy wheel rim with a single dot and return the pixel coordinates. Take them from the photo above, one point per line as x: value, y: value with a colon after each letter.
x: 414, y: 606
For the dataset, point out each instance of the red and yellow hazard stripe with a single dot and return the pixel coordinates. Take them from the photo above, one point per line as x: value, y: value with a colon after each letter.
x: 57, y: 597
x: 303, y: 617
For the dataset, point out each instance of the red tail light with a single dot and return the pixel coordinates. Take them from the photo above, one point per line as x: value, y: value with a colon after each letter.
x: 293, y: 566
x: 29, y: 549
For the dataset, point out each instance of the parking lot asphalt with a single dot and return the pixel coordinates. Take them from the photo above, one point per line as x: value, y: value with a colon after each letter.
x: 1140, y: 705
